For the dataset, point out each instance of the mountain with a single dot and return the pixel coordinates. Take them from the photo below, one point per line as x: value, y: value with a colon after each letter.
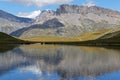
x: 70, y: 21
x: 10, y: 23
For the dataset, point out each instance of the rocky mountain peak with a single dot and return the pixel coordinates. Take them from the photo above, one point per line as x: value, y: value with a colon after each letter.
x: 45, y: 15
x: 46, y: 12
x: 65, y: 8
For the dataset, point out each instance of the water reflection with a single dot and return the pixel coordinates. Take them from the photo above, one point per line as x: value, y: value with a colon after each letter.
x: 6, y: 47
x: 53, y: 62
x: 9, y: 59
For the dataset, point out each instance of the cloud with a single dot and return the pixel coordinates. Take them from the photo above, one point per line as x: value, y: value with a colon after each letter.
x: 34, y: 69
x: 33, y: 14
x: 40, y: 3
x: 90, y: 3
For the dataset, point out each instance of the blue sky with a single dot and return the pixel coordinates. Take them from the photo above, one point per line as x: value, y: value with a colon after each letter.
x: 28, y: 6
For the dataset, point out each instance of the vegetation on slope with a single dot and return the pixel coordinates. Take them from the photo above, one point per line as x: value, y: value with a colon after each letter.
x: 100, y: 34
x: 5, y: 39
x: 105, y: 40
x: 50, y: 39
x: 111, y: 37
x: 93, y: 35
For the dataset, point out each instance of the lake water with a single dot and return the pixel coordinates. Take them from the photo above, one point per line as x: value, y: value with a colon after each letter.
x: 55, y: 62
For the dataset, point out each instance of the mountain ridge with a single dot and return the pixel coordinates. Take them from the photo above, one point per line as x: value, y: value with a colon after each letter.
x: 10, y: 23
x: 11, y: 17
x: 75, y: 21
x: 65, y: 8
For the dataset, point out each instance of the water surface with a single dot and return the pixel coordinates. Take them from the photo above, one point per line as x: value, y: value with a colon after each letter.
x: 55, y: 62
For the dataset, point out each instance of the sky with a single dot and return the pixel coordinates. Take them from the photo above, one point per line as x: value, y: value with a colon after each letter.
x: 31, y: 8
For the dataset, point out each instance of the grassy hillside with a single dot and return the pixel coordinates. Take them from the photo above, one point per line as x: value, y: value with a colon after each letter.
x: 98, y: 34
x: 111, y: 37
x: 5, y: 39
x: 93, y: 35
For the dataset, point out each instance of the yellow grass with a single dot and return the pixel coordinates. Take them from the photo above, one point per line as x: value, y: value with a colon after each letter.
x: 93, y: 35
x: 49, y: 39
x: 97, y: 34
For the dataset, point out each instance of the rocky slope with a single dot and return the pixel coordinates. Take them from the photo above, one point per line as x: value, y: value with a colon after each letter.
x: 71, y: 21
x: 10, y: 23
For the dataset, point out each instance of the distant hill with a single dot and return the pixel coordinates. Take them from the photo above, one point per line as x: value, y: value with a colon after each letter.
x: 10, y: 23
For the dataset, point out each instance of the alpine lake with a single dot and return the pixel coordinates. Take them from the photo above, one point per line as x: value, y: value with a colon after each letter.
x: 59, y: 62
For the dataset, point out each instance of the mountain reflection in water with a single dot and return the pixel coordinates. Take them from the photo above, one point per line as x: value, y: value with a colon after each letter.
x: 55, y: 62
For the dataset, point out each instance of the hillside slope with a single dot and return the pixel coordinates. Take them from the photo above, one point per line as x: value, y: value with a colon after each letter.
x: 6, y: 39
x: 109, y: 37
x: 10, y: 23
x: 100, y: 34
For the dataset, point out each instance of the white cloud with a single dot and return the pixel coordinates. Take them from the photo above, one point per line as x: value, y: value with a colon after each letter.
x: 40, y: 3
x: 33, y: 14
x: 90, y: 3
x: 33, y: 68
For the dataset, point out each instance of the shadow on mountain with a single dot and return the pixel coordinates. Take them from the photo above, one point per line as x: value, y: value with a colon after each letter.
x: 52, y: 23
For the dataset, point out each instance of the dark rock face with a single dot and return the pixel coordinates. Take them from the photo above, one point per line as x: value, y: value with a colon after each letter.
x: 53, y: 23
x: 68, y: 9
